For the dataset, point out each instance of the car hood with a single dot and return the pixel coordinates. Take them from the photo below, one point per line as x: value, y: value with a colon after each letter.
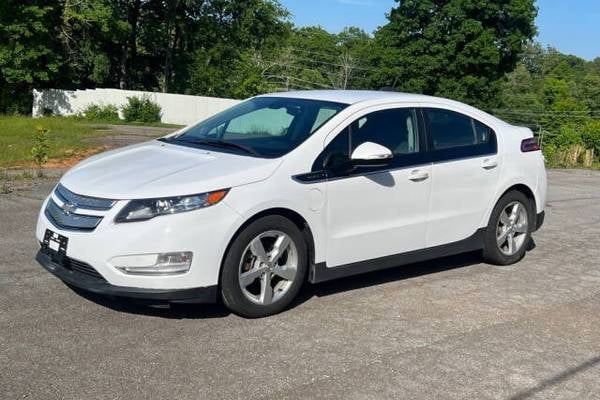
x: 158, y: 169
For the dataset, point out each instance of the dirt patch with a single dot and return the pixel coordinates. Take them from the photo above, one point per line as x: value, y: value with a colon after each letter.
x: 76, y: 157
x: 72, y: 157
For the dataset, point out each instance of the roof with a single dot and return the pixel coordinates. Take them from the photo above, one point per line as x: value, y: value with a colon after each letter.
x: 349, y: 96
x: 358, y: 96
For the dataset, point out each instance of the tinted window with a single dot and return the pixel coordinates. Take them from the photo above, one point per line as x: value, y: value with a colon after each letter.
x: 483, y: 133
x: 263, y: 126
x: 450, y: 129
x: 396, y: 129
x: 336, y: 153
x: 453, y: 135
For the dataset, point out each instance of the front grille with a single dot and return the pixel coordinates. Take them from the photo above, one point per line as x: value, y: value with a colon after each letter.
x: 69, y: 213
x: 73, y: 265
x: 80, y: 266
x: 70, y: 221
x: 86, y: 202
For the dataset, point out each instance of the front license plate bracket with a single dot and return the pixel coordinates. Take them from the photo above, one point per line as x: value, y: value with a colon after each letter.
x: 56, y: 244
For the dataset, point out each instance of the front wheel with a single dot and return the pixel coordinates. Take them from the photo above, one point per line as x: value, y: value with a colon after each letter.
x: 509, y: 229
x: 264, y: 268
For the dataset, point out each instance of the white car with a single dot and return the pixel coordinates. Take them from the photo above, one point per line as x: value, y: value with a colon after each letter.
x: 286, y: 188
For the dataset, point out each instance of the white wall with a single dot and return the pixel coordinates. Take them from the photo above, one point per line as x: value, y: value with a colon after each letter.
x: 176, y: 108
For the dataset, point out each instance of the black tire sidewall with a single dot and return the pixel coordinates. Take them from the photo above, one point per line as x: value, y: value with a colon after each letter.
x: 491, y: 251
x: 231, y: 292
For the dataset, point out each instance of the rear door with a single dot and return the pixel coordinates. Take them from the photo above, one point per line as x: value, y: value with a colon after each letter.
x: 465, y: 174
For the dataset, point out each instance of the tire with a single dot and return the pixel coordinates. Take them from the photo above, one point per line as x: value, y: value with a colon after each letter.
x: 502, y: 224
x: 264, y: 253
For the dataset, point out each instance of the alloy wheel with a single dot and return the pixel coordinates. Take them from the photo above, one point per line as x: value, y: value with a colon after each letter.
x: 268, y: 267
x: 512, y: 228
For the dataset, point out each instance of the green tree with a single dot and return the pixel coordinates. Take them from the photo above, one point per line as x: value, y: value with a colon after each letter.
x: 232, y: 43
x: 454, y: 48
x: 29, y: 54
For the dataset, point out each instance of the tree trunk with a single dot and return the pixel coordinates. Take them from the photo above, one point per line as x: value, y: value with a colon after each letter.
x: 129, y: 53
x: 172, y: 33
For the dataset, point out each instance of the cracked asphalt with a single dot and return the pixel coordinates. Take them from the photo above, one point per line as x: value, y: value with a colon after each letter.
x: 452, y: 328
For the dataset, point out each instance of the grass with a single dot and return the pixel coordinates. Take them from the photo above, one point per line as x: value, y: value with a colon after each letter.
x: 84, y: 120
x: 152, y: 124
x: 17, y: 138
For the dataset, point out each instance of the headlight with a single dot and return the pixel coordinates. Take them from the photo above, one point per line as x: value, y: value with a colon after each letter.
x: 140, y: 210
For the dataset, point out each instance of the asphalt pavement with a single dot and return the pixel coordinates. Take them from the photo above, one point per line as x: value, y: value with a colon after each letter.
x: 453, y: 328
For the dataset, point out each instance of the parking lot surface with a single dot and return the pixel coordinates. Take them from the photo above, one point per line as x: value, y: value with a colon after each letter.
x: 453, y: 328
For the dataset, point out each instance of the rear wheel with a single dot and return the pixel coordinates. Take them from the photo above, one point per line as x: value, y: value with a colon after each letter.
x: 509, y: 229
x: 264, y: 268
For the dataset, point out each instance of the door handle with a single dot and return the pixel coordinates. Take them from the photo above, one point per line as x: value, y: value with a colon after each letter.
x: 489, y: 163
x: 418, y: 175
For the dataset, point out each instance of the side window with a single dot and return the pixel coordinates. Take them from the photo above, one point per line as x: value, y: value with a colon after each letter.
x: 453, y: 135
x: 336, y: 153
x: 449, y: 129
x: 396, y: 129
x: 483, y: 132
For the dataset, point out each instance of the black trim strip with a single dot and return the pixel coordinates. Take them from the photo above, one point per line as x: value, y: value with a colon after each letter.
x: 539, y: 220
x: 321, y: 273
x: 324, y: 176
x: 92, y: 284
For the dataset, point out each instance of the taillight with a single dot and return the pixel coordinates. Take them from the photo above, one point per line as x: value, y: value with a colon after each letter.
x: 530, y: 144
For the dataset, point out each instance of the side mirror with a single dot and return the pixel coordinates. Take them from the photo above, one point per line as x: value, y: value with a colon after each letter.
x: 371, y: 154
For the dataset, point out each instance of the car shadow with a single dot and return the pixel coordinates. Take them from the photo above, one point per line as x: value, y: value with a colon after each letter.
x: 218, y: 310
x: 394, y: 274
x: 155, y: 309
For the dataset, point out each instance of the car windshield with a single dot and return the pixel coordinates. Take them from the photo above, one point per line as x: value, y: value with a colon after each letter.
x: 263, y: 127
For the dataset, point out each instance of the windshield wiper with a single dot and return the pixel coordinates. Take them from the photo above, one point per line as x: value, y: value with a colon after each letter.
x: 219, y: 143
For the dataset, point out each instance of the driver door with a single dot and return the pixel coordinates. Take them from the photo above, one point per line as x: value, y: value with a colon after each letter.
x: 376, y: 211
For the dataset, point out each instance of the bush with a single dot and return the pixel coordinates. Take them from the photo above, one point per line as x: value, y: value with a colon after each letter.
x: 590, y: 136
x: 101, y: 113
x: 141, y: 110
x: 41, y: 147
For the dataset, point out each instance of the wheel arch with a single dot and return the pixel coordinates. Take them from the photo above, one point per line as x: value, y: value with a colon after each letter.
x: 526, y: 190
x: 288, y: 213
x: 515, y: 186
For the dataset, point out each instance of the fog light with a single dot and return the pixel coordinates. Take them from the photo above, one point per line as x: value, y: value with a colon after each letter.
x: 154, y: 264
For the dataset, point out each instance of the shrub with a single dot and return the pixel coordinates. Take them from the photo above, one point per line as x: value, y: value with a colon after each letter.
x: 591, y: 136
x: 41, y: 148
x: 101, y: 113
x: 141, y: 110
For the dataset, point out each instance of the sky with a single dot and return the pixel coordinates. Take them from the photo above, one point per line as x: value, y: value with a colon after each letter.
x: 571, y: 26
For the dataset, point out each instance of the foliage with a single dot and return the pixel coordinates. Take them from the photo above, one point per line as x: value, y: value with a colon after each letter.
x: 476, y: 51
x: 558, y: 94
x: 41, y: 148
x: 29, y: 53
x: 101, y: 113
x: 141, y: 109
x: 590, y: 136
x: 453, y: 48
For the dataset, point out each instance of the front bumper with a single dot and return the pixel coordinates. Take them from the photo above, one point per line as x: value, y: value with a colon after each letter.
x: 204, y: 232
x: 96, y: 284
